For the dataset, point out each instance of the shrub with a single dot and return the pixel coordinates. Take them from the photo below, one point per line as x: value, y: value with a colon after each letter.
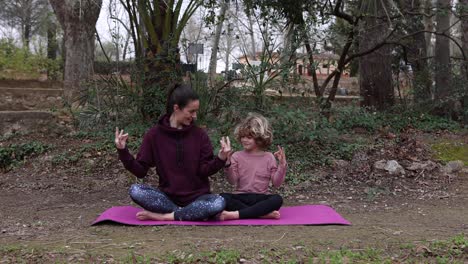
x: 16, y: 60
x: 13, y: 154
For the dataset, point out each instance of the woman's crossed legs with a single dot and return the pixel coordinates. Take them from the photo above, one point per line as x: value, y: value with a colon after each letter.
x: 158, y: 206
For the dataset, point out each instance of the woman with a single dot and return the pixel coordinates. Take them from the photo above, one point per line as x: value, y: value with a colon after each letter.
x: 183, y: 156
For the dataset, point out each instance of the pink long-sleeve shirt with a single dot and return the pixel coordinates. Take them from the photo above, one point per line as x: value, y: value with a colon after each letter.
x: 252, y: 173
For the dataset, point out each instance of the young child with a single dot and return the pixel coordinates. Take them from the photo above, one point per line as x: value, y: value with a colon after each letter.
x: 251, y: 171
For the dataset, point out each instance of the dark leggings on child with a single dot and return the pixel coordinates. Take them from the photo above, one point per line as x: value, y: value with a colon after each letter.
x: 252, y: 205
x: 154, y: 200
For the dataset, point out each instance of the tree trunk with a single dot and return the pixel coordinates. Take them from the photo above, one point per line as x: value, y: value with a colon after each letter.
x: 27, y: 35
x: 287, y: 57
x: 375, y: 76
x: 78, y: 20
x: 52, y: 45
x: 27, y: 23
x: 341, y: 67
x: 442, y: 58
x: 252, y: 35
x: 125, y: 47
x: 228, y: 49
x: 156, y: 27
x: 417, y: 54
x: 428, y: 26
x: 464, y: 32
x: 79, y: 59
x: 311, y: 67
x: 215, y: 47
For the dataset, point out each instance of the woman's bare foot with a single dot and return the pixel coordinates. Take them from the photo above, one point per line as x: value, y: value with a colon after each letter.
x: 272, y: 215
x: 147, y: 215
x: 227, y: 215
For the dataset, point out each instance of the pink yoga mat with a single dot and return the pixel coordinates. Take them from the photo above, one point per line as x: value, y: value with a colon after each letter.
x: 294, y: 215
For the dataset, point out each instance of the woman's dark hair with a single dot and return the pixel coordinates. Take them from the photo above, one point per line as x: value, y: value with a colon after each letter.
x: 181, y: 95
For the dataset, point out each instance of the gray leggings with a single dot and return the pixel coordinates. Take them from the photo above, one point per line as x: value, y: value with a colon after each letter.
x: 154, y: 200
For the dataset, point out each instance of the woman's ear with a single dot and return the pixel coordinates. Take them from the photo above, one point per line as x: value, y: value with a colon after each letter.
x: 176, y: 107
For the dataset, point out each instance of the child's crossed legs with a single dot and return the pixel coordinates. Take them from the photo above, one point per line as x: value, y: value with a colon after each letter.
x: 251, y: 205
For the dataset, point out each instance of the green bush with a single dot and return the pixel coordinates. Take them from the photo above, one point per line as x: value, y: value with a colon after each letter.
x: 347, y: 118
x: 13, y: 154
x: 310, y: 140
x: 396, y: 119
x: 220, y: 101
x: 108, y: 102
x: 20, y: 61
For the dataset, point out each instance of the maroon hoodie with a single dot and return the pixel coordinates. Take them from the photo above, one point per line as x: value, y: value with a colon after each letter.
x: 183, y: 159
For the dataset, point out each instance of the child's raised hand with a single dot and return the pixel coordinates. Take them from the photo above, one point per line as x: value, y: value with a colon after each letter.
x: 281, y: 156
x: 120, y: 138
x: 225, y: 150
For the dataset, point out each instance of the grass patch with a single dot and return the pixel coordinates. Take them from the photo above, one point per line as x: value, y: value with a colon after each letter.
x: 368, y: 255
x: 448, y: 151
x: 453, y: 250
x: 222, y: 256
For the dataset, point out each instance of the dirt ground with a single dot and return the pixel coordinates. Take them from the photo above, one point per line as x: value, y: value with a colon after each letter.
x: 51, y: 206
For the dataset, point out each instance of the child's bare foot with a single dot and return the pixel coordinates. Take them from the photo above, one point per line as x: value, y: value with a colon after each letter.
x: 227, y: 215
x: 146, y: 215
x: 272, y: 215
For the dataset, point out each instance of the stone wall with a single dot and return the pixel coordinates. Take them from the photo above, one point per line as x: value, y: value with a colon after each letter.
x: 26, y: 106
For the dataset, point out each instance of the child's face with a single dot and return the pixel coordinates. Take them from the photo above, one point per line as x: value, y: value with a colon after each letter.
x: 249, y: 144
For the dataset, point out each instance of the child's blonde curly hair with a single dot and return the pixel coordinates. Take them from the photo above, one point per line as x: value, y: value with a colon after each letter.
x: 257, y: 127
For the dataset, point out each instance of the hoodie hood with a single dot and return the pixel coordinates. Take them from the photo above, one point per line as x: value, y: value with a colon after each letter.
x: 165, y: 125
x: 178, y: 134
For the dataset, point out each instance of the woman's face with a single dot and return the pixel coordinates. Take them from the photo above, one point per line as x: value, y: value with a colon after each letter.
x: 186, y: 115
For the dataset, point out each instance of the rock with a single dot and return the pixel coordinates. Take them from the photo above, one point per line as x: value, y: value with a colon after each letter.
x: 453, y: 166
x: 47, y: 158
x: 393, y: 167
x: 417, y: 166
x: 342, y: 91
x: 359, y: 158
x: 380, y: 165
x: 339, y: 163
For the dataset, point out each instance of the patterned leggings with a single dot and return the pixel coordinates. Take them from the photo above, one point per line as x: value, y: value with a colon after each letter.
x: 154, y: 200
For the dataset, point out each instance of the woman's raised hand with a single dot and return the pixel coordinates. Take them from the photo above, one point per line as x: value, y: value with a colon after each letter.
x: 225, y: 150
x: 120, y: 138
x: 281, y: 156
